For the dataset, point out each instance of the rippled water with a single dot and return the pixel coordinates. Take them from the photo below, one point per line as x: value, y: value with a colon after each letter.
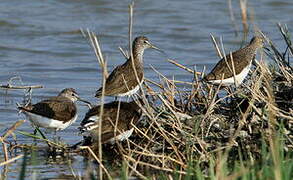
x: 40, y: 42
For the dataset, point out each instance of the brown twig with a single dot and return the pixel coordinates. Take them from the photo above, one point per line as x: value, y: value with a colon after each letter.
x: 183, y: 67
x: 9, y: 86
x: 154, y: 166
x: 11, y: 160
x: 11, y: 129
x: 6, y: 134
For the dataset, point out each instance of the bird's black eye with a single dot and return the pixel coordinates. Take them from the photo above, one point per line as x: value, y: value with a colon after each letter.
x: 73, y: 94
x: 145, y: 41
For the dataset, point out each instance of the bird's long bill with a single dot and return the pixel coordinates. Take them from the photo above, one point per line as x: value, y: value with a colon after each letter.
x: 79, y: 99
x: 156, y: 48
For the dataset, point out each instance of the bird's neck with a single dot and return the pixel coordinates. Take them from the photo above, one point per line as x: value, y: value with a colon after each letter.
x: 137, y: 61
x: 137, y: 54
x: 253, y: 47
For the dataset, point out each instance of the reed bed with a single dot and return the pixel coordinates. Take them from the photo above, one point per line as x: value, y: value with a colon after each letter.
x: 213, y: 132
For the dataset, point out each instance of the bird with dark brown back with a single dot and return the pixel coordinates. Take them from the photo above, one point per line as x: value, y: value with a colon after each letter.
x: 239, y: 64
x: 113, y: 128
x: 55, y: 113
x: 123, y: 80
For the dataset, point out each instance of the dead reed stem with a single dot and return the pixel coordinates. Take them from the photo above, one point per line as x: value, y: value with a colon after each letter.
x: 5, y: 135
x: 102, y: 62
x: 97, y: 50
x: 243, y: 7
x: 154, y: 166
x: 11, y: 160
x: 183, y: 67
x: 232, y: 17
x: 11, y: 130
x: 98, y: 160
x: 216, y: 46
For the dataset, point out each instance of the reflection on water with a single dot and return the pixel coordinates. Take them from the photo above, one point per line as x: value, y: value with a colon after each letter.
x: 41, y: 43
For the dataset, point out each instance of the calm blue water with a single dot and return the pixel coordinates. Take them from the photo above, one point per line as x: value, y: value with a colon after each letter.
x: 41, y: 43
